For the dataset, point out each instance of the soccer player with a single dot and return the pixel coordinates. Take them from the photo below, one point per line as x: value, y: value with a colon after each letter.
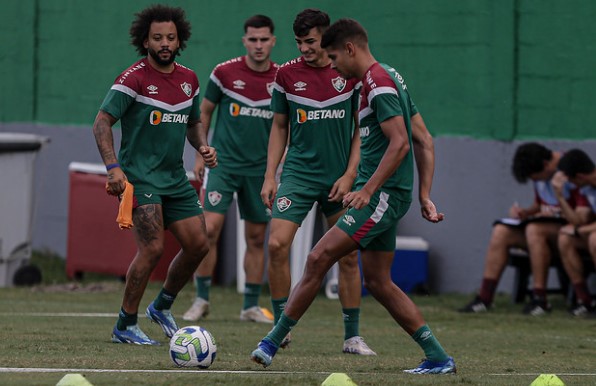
x: 241, y: 87
x: 391, y: 131
x: 577, y: 167
x: 316, y: 109
x: 156, y: 101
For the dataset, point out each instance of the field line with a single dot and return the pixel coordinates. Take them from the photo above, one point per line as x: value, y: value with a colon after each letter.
x: 63, y: 314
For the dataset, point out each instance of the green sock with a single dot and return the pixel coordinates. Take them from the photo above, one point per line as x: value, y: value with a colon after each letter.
x: 164, y: 300
x: 431, y: 346
x: 351, y: 322
x: 125, y: 319
x: 278, y: 308
x: 281, y: 329
x: 251, y: 295
x: 202, y: 285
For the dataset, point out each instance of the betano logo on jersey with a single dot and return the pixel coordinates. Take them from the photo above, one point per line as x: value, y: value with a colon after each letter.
x: 156, y: 117
x: 237, y: 110
x: 315, y: 115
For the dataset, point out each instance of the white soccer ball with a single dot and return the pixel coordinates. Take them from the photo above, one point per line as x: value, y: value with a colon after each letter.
x: 193, y: 346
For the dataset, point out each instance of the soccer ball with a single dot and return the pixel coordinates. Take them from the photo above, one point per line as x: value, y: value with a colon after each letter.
x: 193, y: 346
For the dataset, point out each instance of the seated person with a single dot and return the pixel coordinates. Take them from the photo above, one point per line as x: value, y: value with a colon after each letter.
x: 579, y: 169
x: 534, y: 228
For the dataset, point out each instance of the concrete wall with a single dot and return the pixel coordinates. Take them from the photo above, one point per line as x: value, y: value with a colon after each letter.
x: 473, y: 186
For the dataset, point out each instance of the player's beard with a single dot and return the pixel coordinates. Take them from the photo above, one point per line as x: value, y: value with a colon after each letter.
x: 155, y: 55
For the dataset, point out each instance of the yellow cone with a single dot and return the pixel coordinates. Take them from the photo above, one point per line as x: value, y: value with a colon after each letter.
x: 547, y: 380
x: 338, y: 379
x: 74, y: 380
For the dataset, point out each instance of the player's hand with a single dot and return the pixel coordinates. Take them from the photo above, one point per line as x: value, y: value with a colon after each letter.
x: 209, y: 156
x: 116, y: 182
x: 268, y: 191
x: 558, y: 183
x: 199, y: 169
x: 429, y: 211
x: 340, y: 188
x: 356, y: 200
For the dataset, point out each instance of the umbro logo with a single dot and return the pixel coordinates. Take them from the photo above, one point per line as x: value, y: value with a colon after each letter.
x: 349, y: 220
x: 239, y: 84
x: 152, y: 89
x: 300, y: 86
x: 148, y: 195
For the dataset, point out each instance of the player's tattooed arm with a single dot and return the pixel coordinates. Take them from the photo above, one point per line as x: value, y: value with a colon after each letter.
x: 102, y: 130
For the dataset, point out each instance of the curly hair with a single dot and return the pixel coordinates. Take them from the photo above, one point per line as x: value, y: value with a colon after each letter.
x: 529, y: 159
x: 308, y: 19
x: 139, y: 30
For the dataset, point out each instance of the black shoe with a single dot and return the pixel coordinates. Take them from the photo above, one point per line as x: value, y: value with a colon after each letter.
x: 475, y: 306
x: 582, y: 310
x: 537, y: 307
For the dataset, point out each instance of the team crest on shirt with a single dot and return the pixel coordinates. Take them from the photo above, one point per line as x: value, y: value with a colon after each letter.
x: 270, y: 88
x: 283, y: 203
x: 349, y: 220
x: 214, y: 197
x: 339, y: 83
x: 187, y: 88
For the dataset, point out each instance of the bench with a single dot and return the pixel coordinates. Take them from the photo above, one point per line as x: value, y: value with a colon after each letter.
x: 519, y: 259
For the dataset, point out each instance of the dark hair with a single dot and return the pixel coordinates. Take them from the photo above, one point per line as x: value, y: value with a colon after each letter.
x: 139, y: 30
x: 342, y: 31
x: 575, y: 161
x: 529, y: 159
x: 259, y: 21
x: 308, y: 19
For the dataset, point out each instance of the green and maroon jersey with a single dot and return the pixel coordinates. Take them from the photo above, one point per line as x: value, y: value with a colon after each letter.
x: 320, y: 105
x: 241, y: 134
x: 154, y: 109
x: 384, y: 95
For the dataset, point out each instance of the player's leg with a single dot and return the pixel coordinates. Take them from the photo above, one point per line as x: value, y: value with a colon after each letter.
x: 219, y: 194
x: 541, y: 237
x: 183, y: 216
x: 254, y: 266
x: 281, y: 235
x: 502, y: 238
x: 350, y: 294
x: 572, y: 262
x: 332, y: 246
x: 149, y: 237
x: 256, y: 217
x: 204, y: 273
x: 376, y: 267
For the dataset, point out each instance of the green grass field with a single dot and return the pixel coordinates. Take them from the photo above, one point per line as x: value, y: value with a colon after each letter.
x: 56, y: 329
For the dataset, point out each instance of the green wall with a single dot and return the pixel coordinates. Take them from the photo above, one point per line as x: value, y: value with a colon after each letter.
x: 489, y: 69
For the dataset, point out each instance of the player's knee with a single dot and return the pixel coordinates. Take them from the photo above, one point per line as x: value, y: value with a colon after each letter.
x: 277, y: 249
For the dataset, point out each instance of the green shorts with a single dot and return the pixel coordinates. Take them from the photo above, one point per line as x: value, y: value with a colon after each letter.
x: 293, y: 202
x: 374, y: 227
x: 178, y: 206
x: 220, y: 189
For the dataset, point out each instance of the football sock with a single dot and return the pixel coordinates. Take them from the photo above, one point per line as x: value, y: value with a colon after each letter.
x: 251, y: 295
x: 487, y: 290
x: 164, y: 300
x: 278, y: 308
x: 125, y: 319
x: 539, y: 293
x: 202, y: 285
x: 582, y: 292
x: 351, y: 322
x: 429, y: 344
x: 281, y: 329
